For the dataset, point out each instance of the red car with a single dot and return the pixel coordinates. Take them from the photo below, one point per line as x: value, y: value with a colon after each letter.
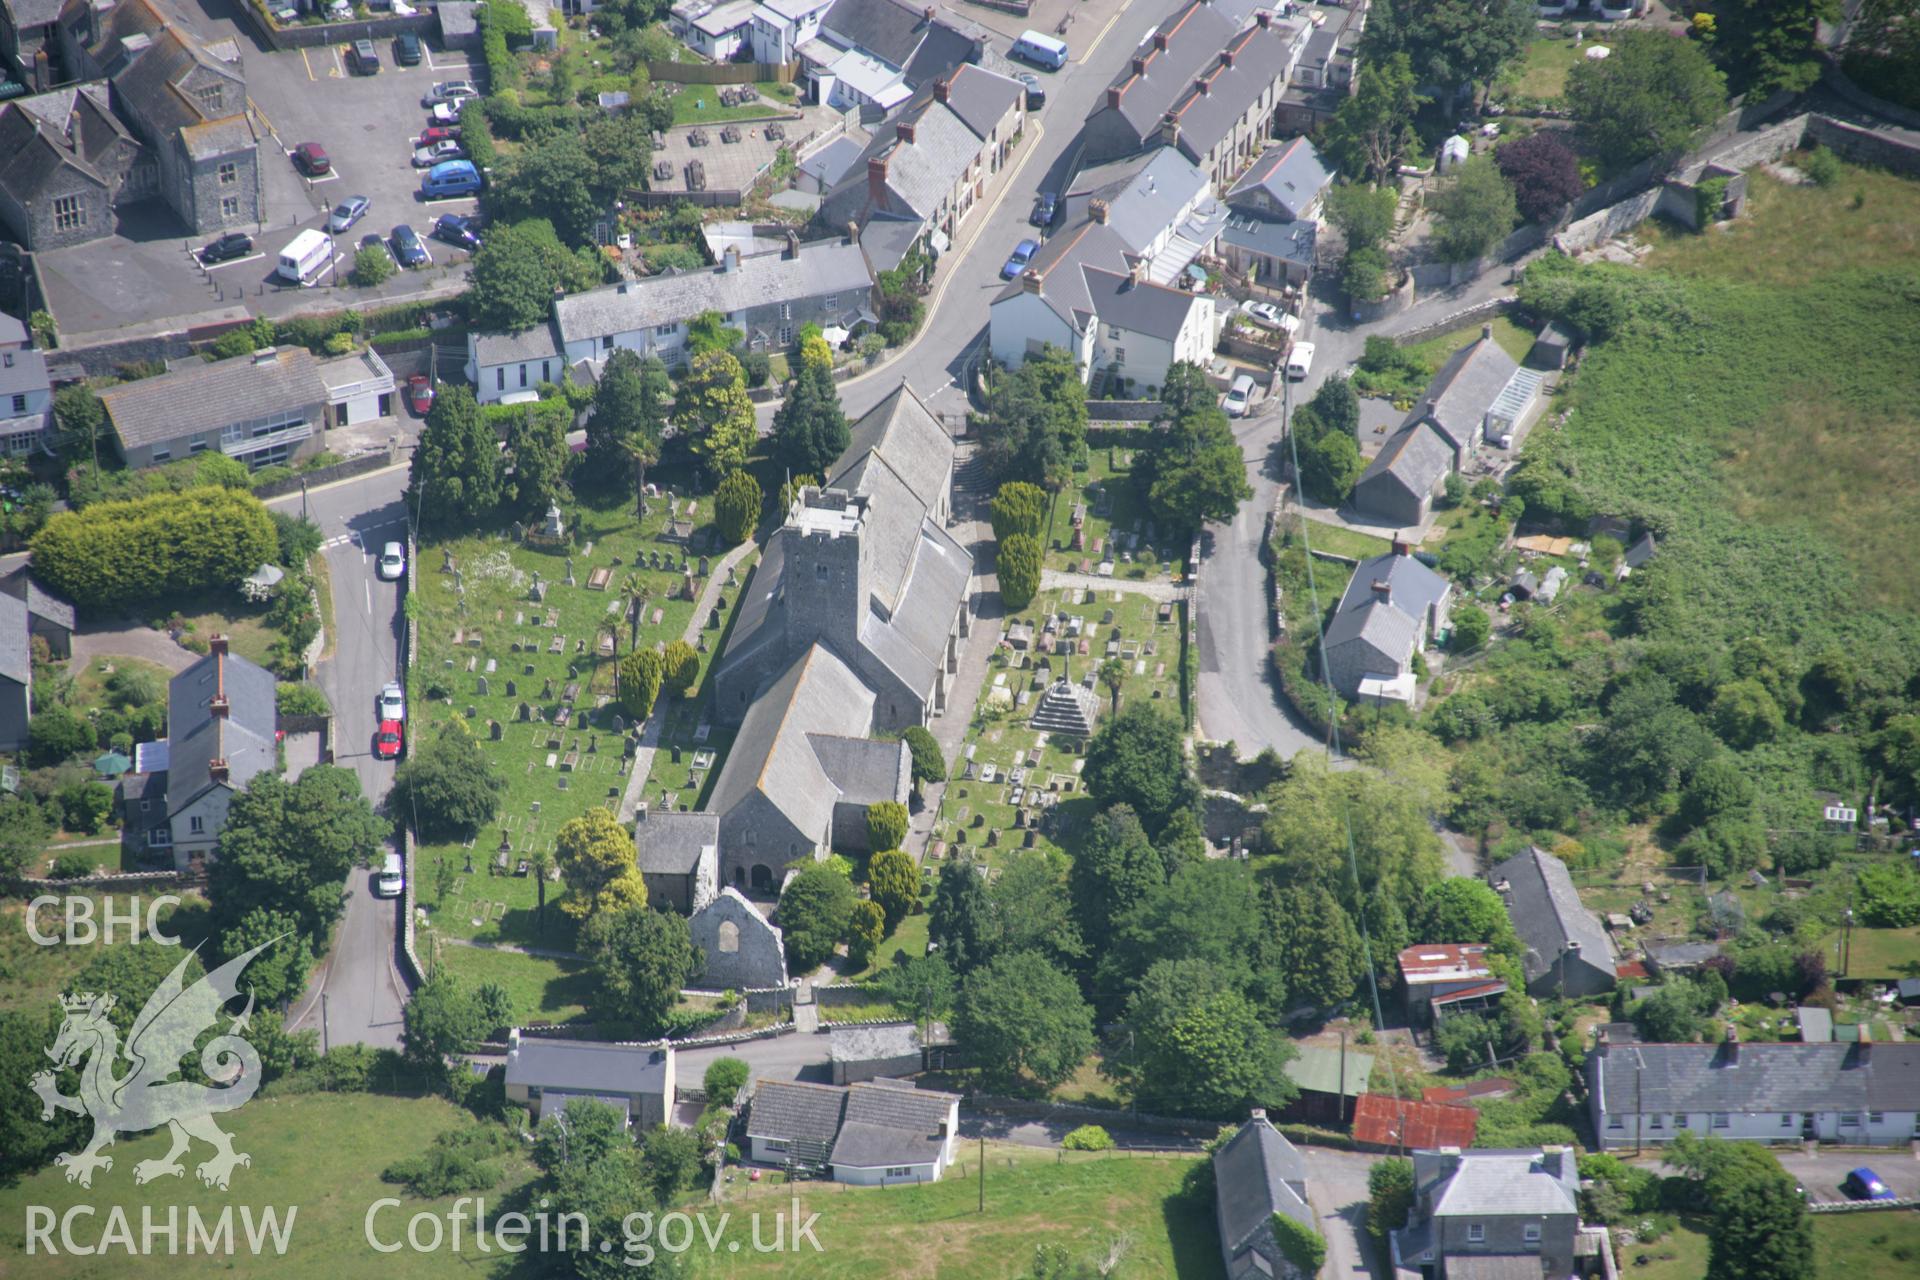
x: 387, y: 742
x: 420, y: 394
x: 311, y: 157
x: 439, y: 133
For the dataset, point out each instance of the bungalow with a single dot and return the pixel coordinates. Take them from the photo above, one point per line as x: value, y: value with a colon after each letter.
x: 1393, y: 607
x: 1568, y: 951
x: 870, y: 1133
x: 550, y: 1075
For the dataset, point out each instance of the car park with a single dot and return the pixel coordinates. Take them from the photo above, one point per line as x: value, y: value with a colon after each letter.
x: 1045, y: 206
x: 420, y: 394
x: 389, y: 739
x: 1018, y: 260
x: 448, y: 91
x: 347, y: 212
x: 311, y: 159
x: 1864, y: 1184
x: 456, y: 231
x: 407, y: 247
x: 1036, y: 92
x: 234, y: 244
x: 366, y: 58
x: 1239, y: 397
x: 392, y: 702
x: 406, y: 49
x: 393, y: 562
x: 438, y: 153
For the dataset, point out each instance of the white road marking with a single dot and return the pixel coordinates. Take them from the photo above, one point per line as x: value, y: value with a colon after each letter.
x: 231, y: 262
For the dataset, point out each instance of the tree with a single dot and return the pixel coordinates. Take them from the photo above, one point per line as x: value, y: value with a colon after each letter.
x: 1745, y: 715
x: 1770, y: 46
x: 894, y: 883
x: 441, y: 1021
x: 56, y: 735
x: 1030, y: 910
x: 1112, y: 674
x: 1363, y: 215
x: 712, y: 410
x: 1019, y: 508
x: 1372, y: 130
x: 810, y: 429
x: 1672, y: 1014
x: 814, y: 912
x: 279, y: 973
x: 1209, y: 910
x: 1647, y: 99
x: 1895, y: 749
x: 640, y: 959
x: 1760, y: 1226
x: 1020, y: 1016
x: 1320, y: 949
x: 515, y: 273
x: 1889, y: 896
x: 1039, y: 416
x: 448, y: 788
x: 26, y: 1141
x: 555, y: 181
x: 1335, y: 407
x: 1464, y: 1040
x: 736, y: 508
x: 1138, y: 756
x: 1463, y: 909
x: 1474, y: 212
x: 709, y: 332
x: 80, y: 417
x: 641, y: 674
x: 1018, y: 564
x: 679, y: 668
x: 1198, y: 471
x: 595, y: 854
x: 960, y: 924
x: 1330, y: 467
x: 866, y: 926
x: 929, y: 765
x: 1304, y: 1247
x: 1117, y: 869
x: 1471, y: 629
x: 454, y: 481
x: 371, y: 266
x: 886, y: 825
x: 1719, y: 788
x: 113, y: 555
x: 1452, y: 44
x: 630, y: 406
x: 922, y: 987
x: 1544, y: 171
x: 723, y: 1079
x: 537, y: 450
x: 1191, y: 1043
x: 287, y: 847
x: 1389, y: 1196
x: 23, y: 838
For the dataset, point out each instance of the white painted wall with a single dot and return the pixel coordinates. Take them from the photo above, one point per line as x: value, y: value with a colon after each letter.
x: 1021, y: 323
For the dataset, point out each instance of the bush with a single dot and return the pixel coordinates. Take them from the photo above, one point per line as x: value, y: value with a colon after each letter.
x: 459, y: 1162
x: 1088, y: 1137
x: 301, y: 699
x: 886, y: 825
x: 113, y: 554
x: 757, y: 368
x: 1821, y: 165
x: 679, y: 668
x: 641, y: 674
x: 724, y: 1078
x: 1019, y: 569
x: 736, y: 507
x: 57, y: 735
x: 73, y: 866
x: 84, y: 807
x: 371, y: 266
x: 929, y: 765
x: 1018, y: 508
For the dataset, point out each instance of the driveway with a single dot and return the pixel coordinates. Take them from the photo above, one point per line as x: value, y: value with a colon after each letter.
x: 1822, y: 1174
x: 129, y: 642
x: 1337, y: 1189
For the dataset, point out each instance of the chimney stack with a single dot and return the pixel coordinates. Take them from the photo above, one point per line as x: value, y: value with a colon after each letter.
x: 1264, y: 19
x: 853, y: 233
x: 217, y: 645
x: 877, y: 181
x: 1159, y: 40
x: 904, y: 131
x: 217, y: 769
x: 1258, y: 1115
x: 1097, y: 211
x: 942, y: 89
x: 793, y: 245
x: 927, y: 13
x: 1226, y: 57
x: 730, y: 260
x: 1486, y: 332
x: 1382, y: 590
x: 218, y: 707
x: 1113, y: 98
x: 1139, y: 65
x: 1030, y: 281
x: 1204, y: 87
x: 1400, y: 547
x: 1733, y: 1045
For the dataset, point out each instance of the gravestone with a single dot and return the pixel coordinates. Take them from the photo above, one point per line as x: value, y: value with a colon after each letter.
x: 490, y: 666
x: 703, y: 566
x: 513, y: 689
x: 570, y: 581
x: 480, y: 685
x: 593, y: 744
x: 586, y: 552
x: 446, y: 560
x: 619, y: 724
x: 732, y: 574
x: 546, y: 690
x: 523, y: 712
x: 494, y: 731
x: 472, y: 711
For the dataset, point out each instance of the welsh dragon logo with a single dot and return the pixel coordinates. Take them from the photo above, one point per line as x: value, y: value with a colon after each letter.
x: 147, y: 1096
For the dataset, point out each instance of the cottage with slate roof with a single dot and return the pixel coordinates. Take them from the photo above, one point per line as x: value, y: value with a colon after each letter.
x: 1256, y: 1174
x: 1285, y: 184
x: 508, y: 368
x: 1568, y: 951
x: 548, y: 1076
x: 871, y: 1133
x: 1857, y: 1094
x: 1393, y: 607
x: 873, y: 54
x: 48, y: 616
x: 1495, y: 1215
x: 27, y: 45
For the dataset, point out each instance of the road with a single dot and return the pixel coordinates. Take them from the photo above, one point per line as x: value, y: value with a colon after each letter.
x: 360, y: 993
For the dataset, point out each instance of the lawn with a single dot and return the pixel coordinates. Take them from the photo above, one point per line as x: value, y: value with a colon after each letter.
x: 317, y: 1157
x: 1034, y: 1197
x: 542, y: 989
x: 1541, y: 75
x: 90, y: 681
x: 1433, y: 352
x: 1341, y: 541
x: 1844, y: 1244
x: 700, y: 104
x: 244, y: 624
x: 909, y: 937
x: 1877, y: 953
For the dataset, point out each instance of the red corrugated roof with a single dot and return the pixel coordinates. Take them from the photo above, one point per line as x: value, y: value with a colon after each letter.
x: 1632, y: 970
x: 1381, y: 1121
x: 1472, y: 993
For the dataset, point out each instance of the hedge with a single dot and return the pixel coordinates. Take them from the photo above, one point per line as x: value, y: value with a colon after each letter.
x: 170, y: 544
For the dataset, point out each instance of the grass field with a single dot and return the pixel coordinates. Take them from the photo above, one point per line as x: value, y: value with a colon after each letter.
x: 1342, y: 541
x: 330, y: 1181
x: 1878, y: 953
x: 1844, y: 1245
x: 1433, y: 352
x: 936, y: 1233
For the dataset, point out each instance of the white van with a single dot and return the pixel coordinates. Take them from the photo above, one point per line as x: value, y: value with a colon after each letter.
x: 391, y: 879
x: 1299, y: 361
x: 306, y: 256
x: 1041, y: 51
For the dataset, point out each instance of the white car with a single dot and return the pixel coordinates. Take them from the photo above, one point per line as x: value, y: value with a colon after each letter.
x: 1264, y: 312
x: 450, y: 91
x: 1239, y: 396
x: 393, y: 562
x: 1299, y: 361
x: 392, y: 704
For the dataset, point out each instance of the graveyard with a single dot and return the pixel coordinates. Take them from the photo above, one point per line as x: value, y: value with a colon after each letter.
x: 1099, y: 525
x: 1016, y: 784
x: 520, y: 633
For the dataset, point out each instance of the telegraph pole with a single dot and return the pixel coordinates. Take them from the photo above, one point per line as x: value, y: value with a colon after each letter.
x: 983, y: 1171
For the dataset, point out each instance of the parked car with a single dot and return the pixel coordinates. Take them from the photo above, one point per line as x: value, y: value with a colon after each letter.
x: 393, y: 562
x: 407, y: 247
x: 1864, y: 1184
x: 311, y: 159
x: 1239, y: 396
x: 449, y: 91
x: 1264, y: 312
x: 437, y: 133
x: 1036, y: 93
x: 388, y: 741
x: 456, y: 230
x: 234, y: 244
x: 406, y: 49
x: 392, y: 702
x: 347, y: 212
x: 1017, y: 262
x: 366, y: 58
x: 420, y: 394
x: 374, y: 241
x: 1045, y: 206
x: 436, y: 152
x: 1299, y: 361
x: 445, y: 112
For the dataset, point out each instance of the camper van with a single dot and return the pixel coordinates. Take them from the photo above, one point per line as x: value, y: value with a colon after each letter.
x: 449, y: 179
x: 391, y: 878
x: 1041, y: 51
x: 306, y: 257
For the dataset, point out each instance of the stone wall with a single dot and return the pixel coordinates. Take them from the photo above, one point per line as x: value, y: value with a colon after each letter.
x: 1864, y: 146
x: 755, y: 957
x: 320, y: 35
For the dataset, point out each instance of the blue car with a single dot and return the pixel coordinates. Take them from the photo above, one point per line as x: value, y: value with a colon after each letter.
x: 1022, y: 254
x: 1044, y: 206
x: 407, y: 247
x: 456, y: 231
x: 1864, y: 1184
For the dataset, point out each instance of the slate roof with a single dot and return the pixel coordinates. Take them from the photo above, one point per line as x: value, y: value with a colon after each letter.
x: 1816, y: 1024
x: 901, y: 435
x: 1547, y: 913
x: 873, y: 1043
x: 946, y: 45
x: 1392, y: 625
x: 1383, y: 1121
x: 1144, y: 193
x: 542, y: 342
x: 833, y: 161
x: 1640, y: 552
x: 883, y: 28
x: 12, y: 332
x: 921, y: 173
x: 671, y: 843
x: 773, y: 752
x: 588, y: 1066
x: 1138, y: 306
x: 1194, y: 35
x: 892, y: 1123
x: 200, y: 397
x: 150, y: 89
x: 16, y: 655
x: 863, y: 770
x: 1455, y: 403
x: 244, y: 737
x: 887, y: 238
x: 1768, y: 1078
x: 40, y: 602
x: 1480, y: 1184
x: 33, y: 13
x: 1292, y: 174
x: 67, y: 128
x: 1259, y: 63
x: 982, y: 98
x: 1317, y: 1070
x: 1286, y: 241
x: 789, y: 1110
x: 820, y: 268
x: 912, y: 642
x: 23, y: 371
x: 1415, y: 459
x: 1257, y: 1174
